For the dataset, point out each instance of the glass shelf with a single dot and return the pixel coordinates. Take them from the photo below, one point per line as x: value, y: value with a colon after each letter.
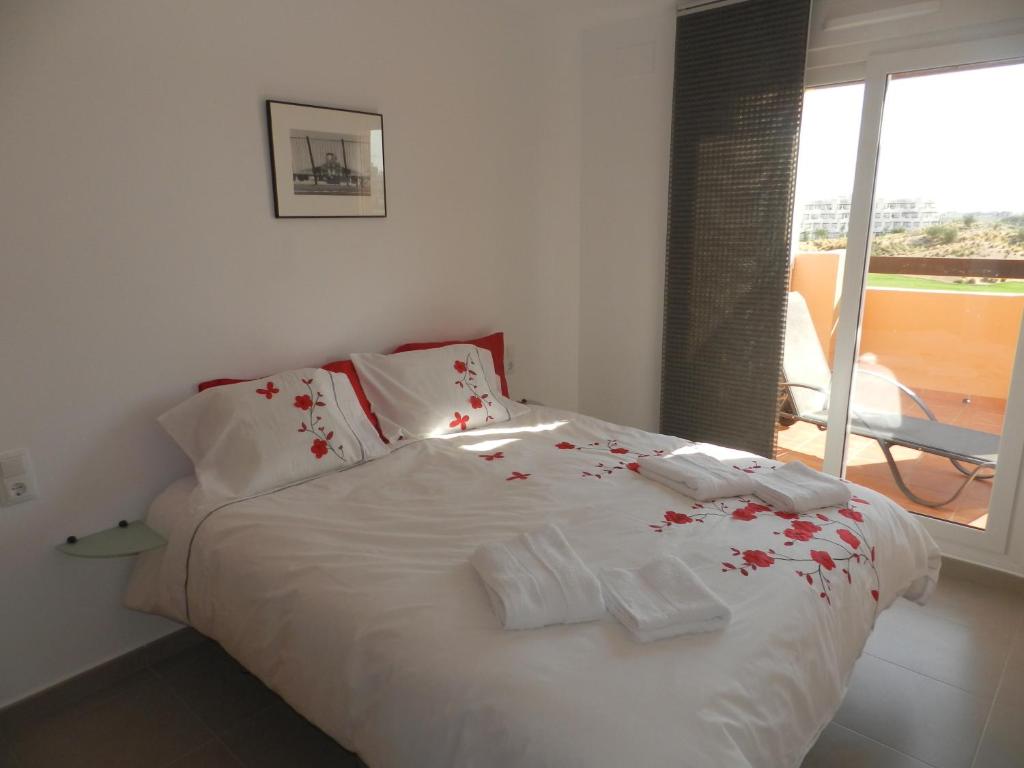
x: 133, y: 538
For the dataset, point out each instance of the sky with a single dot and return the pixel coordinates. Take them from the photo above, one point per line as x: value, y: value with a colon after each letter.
x: 953, y: 137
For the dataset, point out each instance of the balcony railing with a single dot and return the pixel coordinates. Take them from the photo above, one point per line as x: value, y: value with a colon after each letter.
x: 1012, y: 269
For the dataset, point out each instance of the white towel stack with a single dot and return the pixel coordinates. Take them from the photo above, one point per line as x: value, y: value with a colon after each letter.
x: 795, y: 487
x: 536, y: 579
x: 662, y: 599
x: 697, y: 475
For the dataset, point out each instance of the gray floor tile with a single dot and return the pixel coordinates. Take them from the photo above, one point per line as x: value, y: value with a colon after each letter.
x: 62, y: 699
x: 7, y: 756
x: 987, y: 608
x: 94, y: 684
x: 142, y: 723
x: 211, y: 755
x: 1016, y: 658
x: 215, y: 686
x: 839, y: 747
x: 1012, y: 689
x: 1002, y: 744
x: 959, y: 654
x: 278, y: 736
x: 932, y: 721
x: 84, y: 690
x: 171, y: 645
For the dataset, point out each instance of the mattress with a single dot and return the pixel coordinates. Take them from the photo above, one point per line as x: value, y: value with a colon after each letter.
x: 352, y: 597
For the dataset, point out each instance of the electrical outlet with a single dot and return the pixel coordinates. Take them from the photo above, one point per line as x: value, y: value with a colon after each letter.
x: 18, y: 481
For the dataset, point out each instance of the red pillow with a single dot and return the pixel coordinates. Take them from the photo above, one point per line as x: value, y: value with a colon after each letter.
x: 495, y: 344
x: 338, y: 366
x: 202, y: 386
x: 346, y: 367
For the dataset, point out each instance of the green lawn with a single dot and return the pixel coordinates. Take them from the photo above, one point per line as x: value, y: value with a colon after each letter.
x: 928, y: 284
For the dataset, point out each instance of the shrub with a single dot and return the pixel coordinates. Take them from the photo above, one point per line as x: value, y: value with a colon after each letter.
x: 942, y: 234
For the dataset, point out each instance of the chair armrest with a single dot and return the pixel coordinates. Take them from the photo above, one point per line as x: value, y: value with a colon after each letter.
x: 805, y: 386
x: 902, y: 388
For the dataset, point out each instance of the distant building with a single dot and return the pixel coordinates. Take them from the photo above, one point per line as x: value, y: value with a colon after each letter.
x: 831, y: 218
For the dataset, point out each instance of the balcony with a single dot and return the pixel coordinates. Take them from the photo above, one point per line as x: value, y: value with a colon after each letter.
x: 954, y: 349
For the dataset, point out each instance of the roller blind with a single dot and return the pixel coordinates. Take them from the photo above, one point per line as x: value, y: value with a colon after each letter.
x: 738, y: 95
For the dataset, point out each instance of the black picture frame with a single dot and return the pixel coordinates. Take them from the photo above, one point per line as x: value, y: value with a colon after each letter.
x: 326, y: 162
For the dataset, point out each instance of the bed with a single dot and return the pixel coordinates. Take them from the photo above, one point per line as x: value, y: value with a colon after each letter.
x: 351, y: 596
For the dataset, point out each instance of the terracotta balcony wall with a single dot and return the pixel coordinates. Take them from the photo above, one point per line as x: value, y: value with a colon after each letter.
x: 949, y: 341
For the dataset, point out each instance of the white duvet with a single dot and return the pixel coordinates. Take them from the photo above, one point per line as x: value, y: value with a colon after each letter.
x: 352, y: 597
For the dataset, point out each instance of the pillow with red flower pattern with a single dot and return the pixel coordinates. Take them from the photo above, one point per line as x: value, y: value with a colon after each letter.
x: 493, y: 345
x: 424, y: 393
x: 255, y: 437
x: 338, y: 366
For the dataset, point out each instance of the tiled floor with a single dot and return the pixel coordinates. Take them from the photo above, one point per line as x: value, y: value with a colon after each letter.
x: 940, y: 685
x: 195, y: 709
x: 929, y: 476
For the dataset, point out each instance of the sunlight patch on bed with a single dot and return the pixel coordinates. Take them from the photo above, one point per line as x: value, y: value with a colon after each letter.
x: 717, y: 451
x: 488, y: 445
x: 499, y: 430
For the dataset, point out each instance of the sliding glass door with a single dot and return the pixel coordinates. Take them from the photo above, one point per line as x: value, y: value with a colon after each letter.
x: 827, y: 159
x: 907, y: 294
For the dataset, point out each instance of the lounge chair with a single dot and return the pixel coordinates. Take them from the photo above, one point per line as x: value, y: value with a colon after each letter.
x: 808, y: 376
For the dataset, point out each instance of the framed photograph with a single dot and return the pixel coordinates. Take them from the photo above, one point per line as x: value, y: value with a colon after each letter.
x: 326, y: 162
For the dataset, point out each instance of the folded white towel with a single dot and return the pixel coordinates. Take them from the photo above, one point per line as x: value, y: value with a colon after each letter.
x: 795, y: 487
x: 662, y: 599
x: 536, y: 579
x: 697, y: 475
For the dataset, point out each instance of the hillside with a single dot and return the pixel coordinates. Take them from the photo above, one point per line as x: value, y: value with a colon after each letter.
x: 989, y: 240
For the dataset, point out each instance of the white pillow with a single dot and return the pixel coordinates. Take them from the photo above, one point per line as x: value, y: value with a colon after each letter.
x: 249, y: 438
x: 428, y: 392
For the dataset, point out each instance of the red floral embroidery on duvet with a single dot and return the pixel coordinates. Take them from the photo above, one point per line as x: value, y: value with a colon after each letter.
x: 491, y: 456
x: 699, y: 512
x: 849, y: 538
x: 518, y: 476
x: 459, y: 421
x: 832, y: 544
x: 749, y: 510
x: 268, y: 390
x: 757, y: 558
x: 678, y: 518
x: 612, y: 449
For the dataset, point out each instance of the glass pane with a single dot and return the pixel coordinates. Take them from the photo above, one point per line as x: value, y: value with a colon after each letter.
x: 945, y: 292
x: 825, y: 169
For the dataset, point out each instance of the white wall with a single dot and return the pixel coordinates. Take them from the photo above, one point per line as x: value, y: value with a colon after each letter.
x: 139, y: 253
x: 626, y: 116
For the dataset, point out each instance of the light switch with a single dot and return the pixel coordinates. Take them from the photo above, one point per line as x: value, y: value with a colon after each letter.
x: 12, y: 464
x: 18, y: 481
